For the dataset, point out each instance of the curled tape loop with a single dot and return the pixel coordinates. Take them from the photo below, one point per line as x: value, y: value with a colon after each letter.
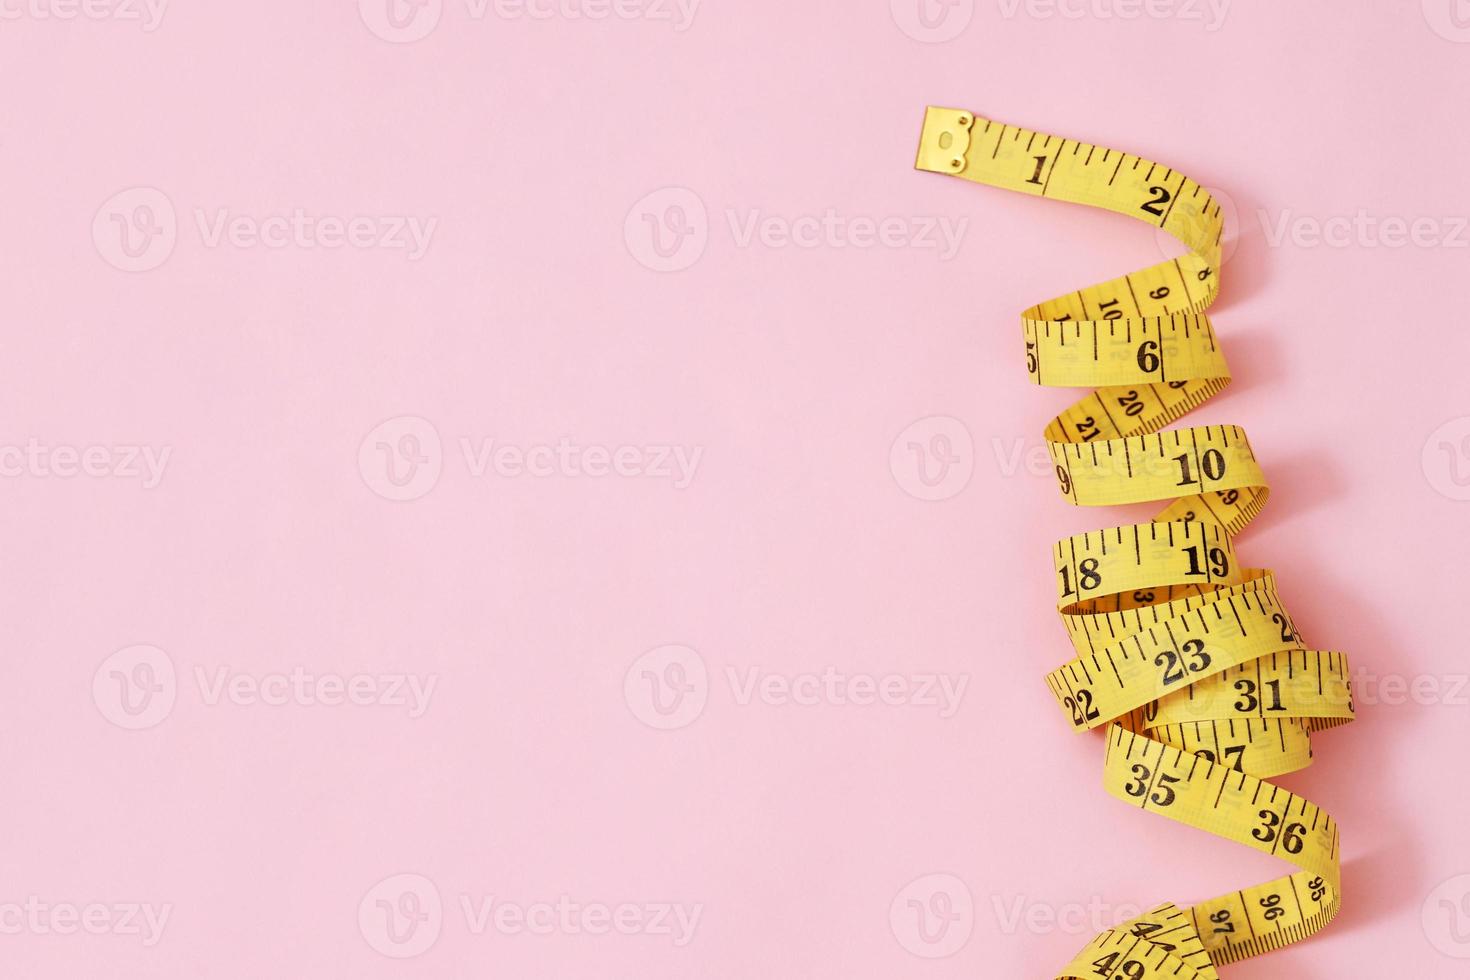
x: 1188, y: 659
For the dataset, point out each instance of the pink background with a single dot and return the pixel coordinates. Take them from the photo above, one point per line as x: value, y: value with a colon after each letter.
x: 796, y: 547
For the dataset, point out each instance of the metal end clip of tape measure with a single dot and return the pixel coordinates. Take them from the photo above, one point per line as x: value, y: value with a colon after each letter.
x: 1189, y: 659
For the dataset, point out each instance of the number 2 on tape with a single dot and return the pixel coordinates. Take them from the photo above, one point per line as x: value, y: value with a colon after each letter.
x: 1189, y: 659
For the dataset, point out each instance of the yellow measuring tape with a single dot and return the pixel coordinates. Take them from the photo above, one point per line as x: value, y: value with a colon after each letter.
x: 1190, y: 659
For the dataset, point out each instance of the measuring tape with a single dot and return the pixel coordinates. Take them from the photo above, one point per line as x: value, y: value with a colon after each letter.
x: 1189, y: 659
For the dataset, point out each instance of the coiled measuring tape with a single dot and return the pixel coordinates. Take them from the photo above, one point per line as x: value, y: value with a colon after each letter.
x: 1189, y: 659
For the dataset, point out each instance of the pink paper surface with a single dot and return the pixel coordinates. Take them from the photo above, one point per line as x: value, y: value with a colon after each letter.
x: 546, y: 489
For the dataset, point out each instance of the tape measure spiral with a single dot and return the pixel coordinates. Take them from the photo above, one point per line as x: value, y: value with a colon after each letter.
x: 1189, y: 659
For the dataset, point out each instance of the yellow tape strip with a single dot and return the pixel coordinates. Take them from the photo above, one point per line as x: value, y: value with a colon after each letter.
x: 1189, y: 660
